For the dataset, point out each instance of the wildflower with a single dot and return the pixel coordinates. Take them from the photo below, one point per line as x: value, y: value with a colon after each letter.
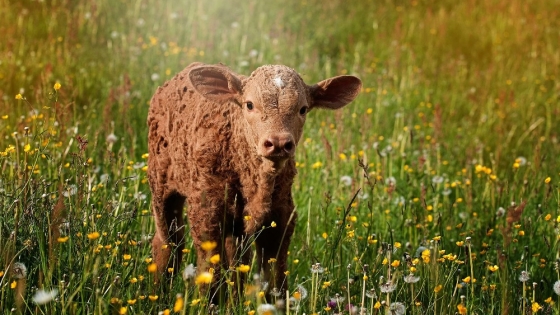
x: 153, y: 297
x: 437, y: 179
x: 326, y: 284
x: 19, y: 97
x: 244, y: 268
x: 395, y: 263
x: 438, y: 288
x: 461, y: 309
x: 524, y: 277
x: 426, y: 256
x: 215, y: 259
x: 273, y: 224
x: 493, y: 268
x: 93, y: 235
x: 346, y: 180
x: 547, y: 180
x: 62, y: 239
x: 548, y: 217
x: 266, y: 309
x: 57, y: 86
x: 195, y: 302
x: 152, y: 268
x: 13, y: 285
x: 317, y: 164
x: 397, y: 308
x: 208, y: 245
x: 411, y: 278
x: 123, y: 310
x: 371, y: 294
x: 19, y: 271
x: 42, y: 297
x: 178, y: 306
x: 556, y: 287
x: 203, y: 278
x: 127, y: 256
x: 377, y: 305
x: 535, y: 307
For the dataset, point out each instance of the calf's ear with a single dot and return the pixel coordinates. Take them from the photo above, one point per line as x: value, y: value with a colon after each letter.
x: 336, y: 92
x: 216, y: 83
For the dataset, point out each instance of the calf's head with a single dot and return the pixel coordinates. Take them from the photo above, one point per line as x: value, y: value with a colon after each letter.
x: 275, y: 102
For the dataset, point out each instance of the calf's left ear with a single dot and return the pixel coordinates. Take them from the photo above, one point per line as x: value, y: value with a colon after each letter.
x: 336, y: 92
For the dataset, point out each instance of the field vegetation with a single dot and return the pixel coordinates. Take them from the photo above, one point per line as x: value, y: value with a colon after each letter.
x: 435, y: 192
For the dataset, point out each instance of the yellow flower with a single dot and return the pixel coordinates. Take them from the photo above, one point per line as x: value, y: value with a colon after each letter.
x: 460, y: 243
x: 131, y: 302
x: 317, y: 164
x: 342, y: 156
x: 273, y: 224
x: 548, y: 217
x: 326, y: 284
x: 57, y: 86
x: 208, y: 245
x: 549, y: 300
x: 195, y: 302
x: 468, y: 280
x: 178, y: 304
x: 127, y: 256
x: 122, y: 310
x: 324, y: 235
x: 462, y: 309
x: 438, y: 288
x: 19, y: 97
x: 244, y: 268
x: 215, y: 259
x: 546, y: 181
x: 153, y: 297
x: 152, y: 268
x: 426, y: 256
x: 297, y: 295
x: 385, y: 261
x: 493, y: 268
x: 251, y: 312
x: 377, y: 305
x: 535, y: 307
x: 203, y: 278
x: 13, y: 285
x: 395, y: 263
x: 93, y: 235
x: 62, y: 239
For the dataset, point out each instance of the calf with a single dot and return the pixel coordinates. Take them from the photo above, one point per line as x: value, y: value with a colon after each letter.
x: 225, y: 144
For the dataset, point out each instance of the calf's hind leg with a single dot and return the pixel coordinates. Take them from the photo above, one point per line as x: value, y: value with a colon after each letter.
x: 170, y: 232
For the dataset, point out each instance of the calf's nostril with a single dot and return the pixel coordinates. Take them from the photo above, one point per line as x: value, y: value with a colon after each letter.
x: 289, y: 146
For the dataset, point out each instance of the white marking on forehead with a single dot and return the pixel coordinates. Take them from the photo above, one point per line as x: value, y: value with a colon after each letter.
x: 278, y: 82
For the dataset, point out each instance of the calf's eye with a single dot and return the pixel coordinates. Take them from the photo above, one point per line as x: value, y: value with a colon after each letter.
x: 303, y: 110
x: 250, y: 106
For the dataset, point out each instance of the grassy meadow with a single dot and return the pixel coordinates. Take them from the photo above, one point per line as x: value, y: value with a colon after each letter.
x: 435, y: 192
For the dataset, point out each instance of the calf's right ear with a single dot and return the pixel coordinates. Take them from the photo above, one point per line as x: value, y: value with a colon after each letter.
x: 216, y: 83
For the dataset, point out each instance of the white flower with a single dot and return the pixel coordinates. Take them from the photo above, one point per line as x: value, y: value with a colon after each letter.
x: 111, y: 138
x: 42, y: 297
x: 155, y: 77
x: 500, y: 212
x: 391, y: 181
x: 437, y: 179
x: 346, y: 180
x: 316, y: 268
x: 266, y: 309
x: 556, y: 287
x: 521, y: 160
x: 189, y: 272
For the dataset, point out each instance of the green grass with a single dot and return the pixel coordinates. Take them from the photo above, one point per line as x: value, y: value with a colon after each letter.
x: 453, y: 147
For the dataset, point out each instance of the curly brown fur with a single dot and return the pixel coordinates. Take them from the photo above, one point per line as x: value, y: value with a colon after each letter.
x: 225, y: 144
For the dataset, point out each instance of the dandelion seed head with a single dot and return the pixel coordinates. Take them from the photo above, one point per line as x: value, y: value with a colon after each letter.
x: 42, y: 297
x: 346, y: 180
x: 411, y: 278
x: 266, y: 309
x: 556, y: 287
x: 189, y: 272
x: 19, y: 270
x: 524, y: 276
x: 387, y: 287
x: 396, y: 308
